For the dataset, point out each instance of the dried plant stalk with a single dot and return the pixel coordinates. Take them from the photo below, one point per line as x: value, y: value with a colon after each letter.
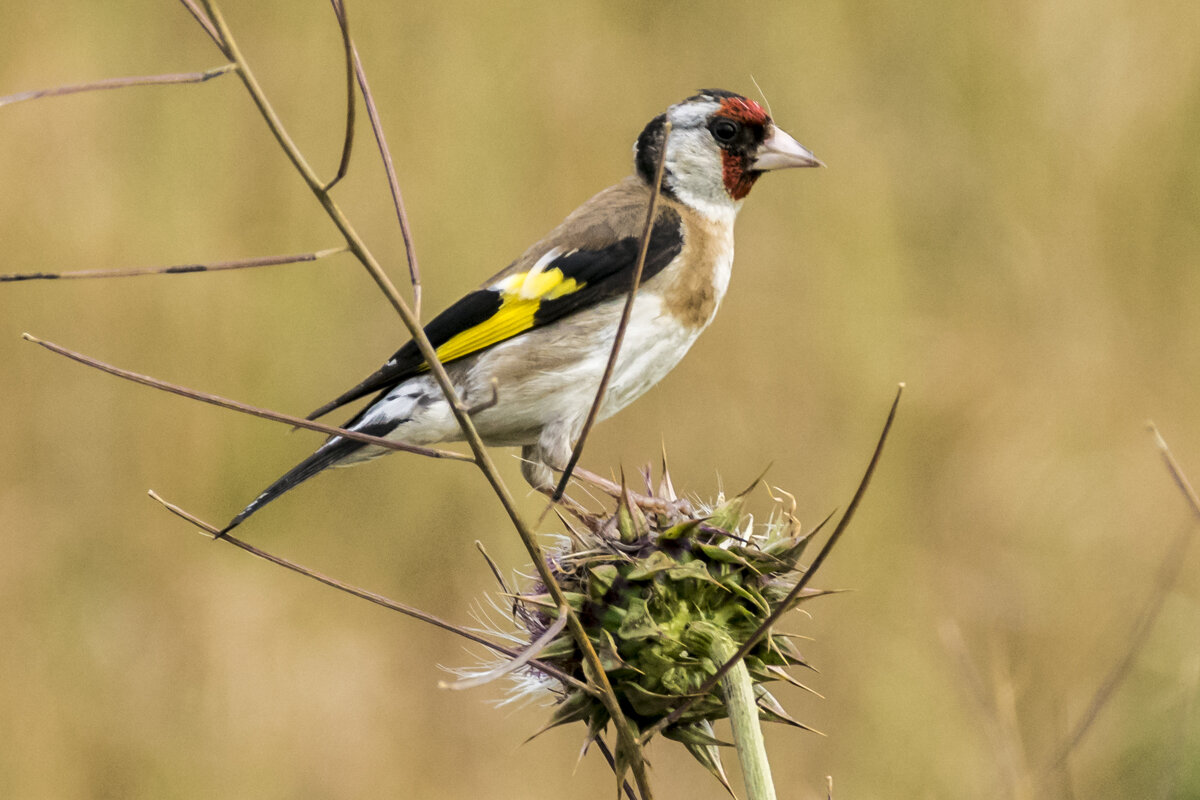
x: 174, y: 269
x: 119, y: 83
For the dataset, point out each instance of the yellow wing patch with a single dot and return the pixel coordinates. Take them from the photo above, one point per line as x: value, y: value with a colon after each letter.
x: 520, y: 297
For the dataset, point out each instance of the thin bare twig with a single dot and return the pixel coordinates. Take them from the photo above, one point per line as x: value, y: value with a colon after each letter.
x: 207, y: 19
x: 355, y: 243
x: 629, y: 747
x: 788, y: 601
x: 274, y: 124
x: 1177, y: 473
x: 233, y: 405
x: 378, y: 599
x: 626, y: 312
x: 204, y: 21
x: 493, y: 566
x: 1168, y: 573
x: 177, y: 269
x: 339, y: 9
x: 119, y: 83
x: 385, y: 154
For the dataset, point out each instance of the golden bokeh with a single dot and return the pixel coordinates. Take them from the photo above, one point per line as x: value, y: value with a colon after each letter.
x: 1010, y: 224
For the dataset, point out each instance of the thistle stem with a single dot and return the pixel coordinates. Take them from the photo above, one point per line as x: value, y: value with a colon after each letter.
x: 743, y: 717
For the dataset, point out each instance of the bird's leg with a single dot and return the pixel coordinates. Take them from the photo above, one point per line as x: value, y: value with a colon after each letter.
x: 537, y: 470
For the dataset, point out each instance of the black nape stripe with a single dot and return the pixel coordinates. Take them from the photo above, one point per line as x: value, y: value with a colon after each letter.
x: 649, y: 150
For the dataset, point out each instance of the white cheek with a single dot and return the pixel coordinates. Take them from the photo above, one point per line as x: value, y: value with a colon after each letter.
x: 694, y: 162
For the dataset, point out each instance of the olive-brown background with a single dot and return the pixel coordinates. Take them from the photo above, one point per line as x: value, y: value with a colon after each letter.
x: 1010, y: 223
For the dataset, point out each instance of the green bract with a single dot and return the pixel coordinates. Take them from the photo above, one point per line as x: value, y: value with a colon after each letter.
x: 655, y: 590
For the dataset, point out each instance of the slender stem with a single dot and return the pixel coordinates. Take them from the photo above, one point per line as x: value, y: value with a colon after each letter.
x: 119, y: 83
x: 233, y: 405
x: 205, y: 18
x: 1177, y: 473
x: 377, y: 599
x: 176, y: 269
x: 353, y: 241
x: 339, y: 9
x: 204, y: 21
x: 628, y: 744
x: 260, y: 99
x: 738, y: 689
x: 594, y: 411
x: 385, y: 154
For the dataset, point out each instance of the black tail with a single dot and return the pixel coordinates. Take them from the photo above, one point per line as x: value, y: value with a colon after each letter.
x: 326, y: 455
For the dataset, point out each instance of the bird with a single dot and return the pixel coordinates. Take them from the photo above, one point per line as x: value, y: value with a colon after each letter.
x: 530, y: 345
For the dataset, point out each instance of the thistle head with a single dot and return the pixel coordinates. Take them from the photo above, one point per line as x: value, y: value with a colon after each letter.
x: 656, y: 583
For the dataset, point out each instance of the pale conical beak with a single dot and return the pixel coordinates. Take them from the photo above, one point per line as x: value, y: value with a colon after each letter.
x: 781, y: 151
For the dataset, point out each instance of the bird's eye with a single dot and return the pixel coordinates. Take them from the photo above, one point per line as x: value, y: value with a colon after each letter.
x: 725, y: 130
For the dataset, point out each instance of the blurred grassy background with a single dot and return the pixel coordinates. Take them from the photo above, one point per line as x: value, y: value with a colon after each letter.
x: 1010, y: 223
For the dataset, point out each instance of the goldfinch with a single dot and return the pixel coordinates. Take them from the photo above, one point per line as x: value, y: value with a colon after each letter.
x: 539, y: 332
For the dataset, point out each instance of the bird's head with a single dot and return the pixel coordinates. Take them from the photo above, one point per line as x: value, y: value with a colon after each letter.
x: 720, y: 142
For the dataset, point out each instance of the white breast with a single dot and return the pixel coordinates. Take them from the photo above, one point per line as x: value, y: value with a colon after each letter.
x: 653, y: 345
